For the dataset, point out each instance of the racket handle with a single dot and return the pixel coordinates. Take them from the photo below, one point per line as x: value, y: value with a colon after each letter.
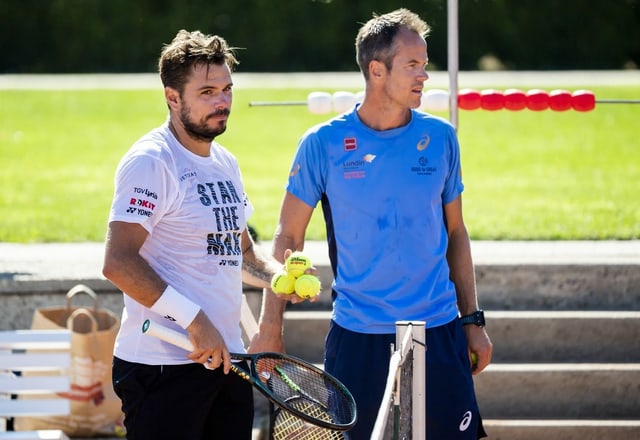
x: 166, y: 334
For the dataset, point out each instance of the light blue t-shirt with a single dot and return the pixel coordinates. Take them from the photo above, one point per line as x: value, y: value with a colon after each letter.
x: 382, y: 195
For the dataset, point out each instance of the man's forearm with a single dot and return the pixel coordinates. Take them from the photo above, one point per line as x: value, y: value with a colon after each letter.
x: 258, y: 266
x: 133, y: 275
x: 271, y: 315
x: 462, y: 271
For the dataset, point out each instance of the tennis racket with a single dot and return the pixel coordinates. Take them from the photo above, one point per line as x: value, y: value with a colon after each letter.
x: 287, y: 426
x: 283, y: 424
x: 292, y: 384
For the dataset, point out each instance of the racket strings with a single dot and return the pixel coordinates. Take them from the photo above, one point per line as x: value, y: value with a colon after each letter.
x: 286, y: 426
x: 325, y: 399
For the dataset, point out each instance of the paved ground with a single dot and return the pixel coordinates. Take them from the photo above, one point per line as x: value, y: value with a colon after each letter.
x: 331, y: 80
x: 36, y: 267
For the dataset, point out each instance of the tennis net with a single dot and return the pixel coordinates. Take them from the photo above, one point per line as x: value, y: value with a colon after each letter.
x: 402, y: 411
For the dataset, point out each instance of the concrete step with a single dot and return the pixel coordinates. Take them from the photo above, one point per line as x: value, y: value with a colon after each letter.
x: 559, y: 391
x: 304, y: 333
x: 511, y: 429
x: 559, y: 286
x: 552, y: 275
x: 518, y: 336
x: 17, y: 308
x: 520, y: 275
x: 565, y: 336
x: 576, y: 429
x: 260, y: 429
x: 540, y: 287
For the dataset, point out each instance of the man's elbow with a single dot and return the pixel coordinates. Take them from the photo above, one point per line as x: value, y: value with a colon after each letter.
x: 112, y: 268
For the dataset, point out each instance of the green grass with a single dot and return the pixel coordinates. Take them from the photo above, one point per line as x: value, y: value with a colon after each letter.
x: 528, y: 175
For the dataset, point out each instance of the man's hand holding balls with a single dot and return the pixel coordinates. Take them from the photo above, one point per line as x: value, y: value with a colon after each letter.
x: 293, y: 278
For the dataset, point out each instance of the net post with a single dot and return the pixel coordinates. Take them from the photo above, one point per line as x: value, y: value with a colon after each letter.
x: 418, y: 410
x: 453, y: 62
x: 418, y: 373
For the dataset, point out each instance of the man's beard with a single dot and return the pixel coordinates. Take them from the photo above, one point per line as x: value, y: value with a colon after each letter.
x: 200, y: 131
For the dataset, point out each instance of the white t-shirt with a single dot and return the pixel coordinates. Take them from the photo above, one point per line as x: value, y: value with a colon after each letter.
x: 195, y: 210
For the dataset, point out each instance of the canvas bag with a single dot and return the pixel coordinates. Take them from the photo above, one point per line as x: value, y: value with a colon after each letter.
x: 95, y: 408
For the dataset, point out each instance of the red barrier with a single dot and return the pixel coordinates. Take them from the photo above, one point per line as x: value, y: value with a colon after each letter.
x: 491, y: 100
x: 469, y: 99
x: 515, y: 99
x: 537, y: 100
x: 560, y: 100
x: 583, y: 100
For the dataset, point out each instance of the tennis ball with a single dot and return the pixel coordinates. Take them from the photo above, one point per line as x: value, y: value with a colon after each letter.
x: 283, y: 282
x: 297, y: 264
x: 307, y: 286
x: 474, y: 358
x: 119, y: 430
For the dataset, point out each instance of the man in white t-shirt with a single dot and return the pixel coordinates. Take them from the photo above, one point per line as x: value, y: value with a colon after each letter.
x: 179, y: 248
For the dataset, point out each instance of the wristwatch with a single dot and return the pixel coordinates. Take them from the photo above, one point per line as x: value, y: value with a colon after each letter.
x: 476, y: 318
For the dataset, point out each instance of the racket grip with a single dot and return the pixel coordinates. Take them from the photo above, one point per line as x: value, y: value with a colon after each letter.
x: 166, y: 334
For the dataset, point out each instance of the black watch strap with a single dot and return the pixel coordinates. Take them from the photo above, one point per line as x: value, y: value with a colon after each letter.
x: 476, y: 318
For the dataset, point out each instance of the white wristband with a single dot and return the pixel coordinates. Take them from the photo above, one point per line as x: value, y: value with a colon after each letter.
x: 174, y: 306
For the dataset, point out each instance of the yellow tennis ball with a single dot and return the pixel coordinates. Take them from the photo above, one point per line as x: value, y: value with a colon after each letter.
x: 474, y: 358
x: 307, y: 286
x: 283, y: 282
x: 119, y: 431
x: 297, y: 264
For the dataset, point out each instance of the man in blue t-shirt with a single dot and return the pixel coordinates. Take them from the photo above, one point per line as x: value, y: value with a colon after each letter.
x: 389, y: 181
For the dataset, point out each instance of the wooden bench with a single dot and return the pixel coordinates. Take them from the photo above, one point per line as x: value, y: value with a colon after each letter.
x: 50, y: 355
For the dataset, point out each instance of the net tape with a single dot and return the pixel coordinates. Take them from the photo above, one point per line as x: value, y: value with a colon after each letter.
x: 397, y: 397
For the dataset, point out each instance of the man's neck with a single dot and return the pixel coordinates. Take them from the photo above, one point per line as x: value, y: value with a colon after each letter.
x: 378, y: 116
x: 198, y: 147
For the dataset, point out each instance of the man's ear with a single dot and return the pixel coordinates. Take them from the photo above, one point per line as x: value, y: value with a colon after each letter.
x: 172, y: 97
x: 376, y: 69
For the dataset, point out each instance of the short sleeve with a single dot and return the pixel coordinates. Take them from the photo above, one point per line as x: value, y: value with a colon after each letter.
x: 143, y: 189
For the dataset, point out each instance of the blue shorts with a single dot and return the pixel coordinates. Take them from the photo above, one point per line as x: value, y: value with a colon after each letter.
x: 361, y: 362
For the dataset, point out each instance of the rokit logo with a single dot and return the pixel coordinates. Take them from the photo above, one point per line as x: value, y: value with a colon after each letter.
x: 142, y: 203
x: 141, y: 207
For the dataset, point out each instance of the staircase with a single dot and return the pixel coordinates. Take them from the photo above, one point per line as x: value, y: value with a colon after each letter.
x: 565, y: 325
x: 564, y: 318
